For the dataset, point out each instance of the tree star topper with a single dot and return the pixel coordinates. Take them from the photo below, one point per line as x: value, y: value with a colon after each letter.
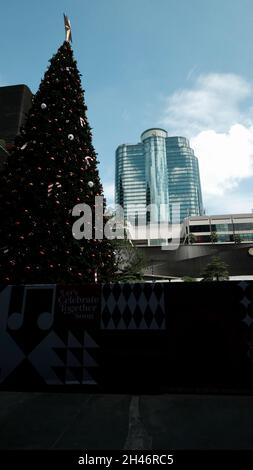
x: 67, y: 28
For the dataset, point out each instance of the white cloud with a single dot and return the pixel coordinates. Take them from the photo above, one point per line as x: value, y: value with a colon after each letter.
x: 213, y: 115
x: 224, y: 158
x: 213, y: 103
x: 230, y: 203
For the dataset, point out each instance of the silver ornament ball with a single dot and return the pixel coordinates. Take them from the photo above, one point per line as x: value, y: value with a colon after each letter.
x: 43, y: 106
x: 70, y: 137
x: 90, y: 184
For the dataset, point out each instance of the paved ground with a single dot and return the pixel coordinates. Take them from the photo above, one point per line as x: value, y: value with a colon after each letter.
x: 199, y: 422
x: 82, y: 421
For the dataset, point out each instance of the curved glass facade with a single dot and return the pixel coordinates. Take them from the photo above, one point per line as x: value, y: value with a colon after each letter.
x: 130, y: 182
x: 154, y: 149
x: 183, y: 177
x: 161, y: 171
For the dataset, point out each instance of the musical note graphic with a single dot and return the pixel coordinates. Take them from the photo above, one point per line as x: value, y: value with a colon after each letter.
x: 45, y: 319
x: 15, y: 320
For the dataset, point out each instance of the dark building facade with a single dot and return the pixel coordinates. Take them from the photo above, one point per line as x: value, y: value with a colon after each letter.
x: 3, y: 154
x: 191, y: 260
x: 15, y: 102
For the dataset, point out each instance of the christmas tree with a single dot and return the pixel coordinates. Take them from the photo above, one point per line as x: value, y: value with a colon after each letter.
x: 52, y: 168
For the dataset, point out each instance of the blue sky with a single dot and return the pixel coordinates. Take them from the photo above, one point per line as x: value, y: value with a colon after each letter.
x: 185, y: 65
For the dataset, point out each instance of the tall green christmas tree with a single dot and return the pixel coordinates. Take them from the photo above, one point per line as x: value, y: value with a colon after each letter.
x: 53, y: 167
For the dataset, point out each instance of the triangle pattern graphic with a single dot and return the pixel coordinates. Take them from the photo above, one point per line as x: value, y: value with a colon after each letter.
x: 60, y: 373
x: 77, y: 373
x: 78, y: 354
x: 89, y: 342
x: 62, y: 354
x: 72, y: 341
x: 87, y: 379
x: 44, y: 358
x: 88, y: 361
x: 70, y: 377
x: 72, y: 361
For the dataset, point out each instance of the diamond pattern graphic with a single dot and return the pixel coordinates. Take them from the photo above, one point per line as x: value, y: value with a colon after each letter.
x: 137, y: 290
x: 126, y: 291
x: 133, y: 307
x: 116, y: 315
x: 246, y: 302
x: 9, y: 349
x: 44, y: 358
x: 243, y: 285
x: 248, y: 320
x: 137, y: 316
x: 127, y: 316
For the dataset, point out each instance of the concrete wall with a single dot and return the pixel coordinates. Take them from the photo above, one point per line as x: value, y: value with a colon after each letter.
x: 190, y: 260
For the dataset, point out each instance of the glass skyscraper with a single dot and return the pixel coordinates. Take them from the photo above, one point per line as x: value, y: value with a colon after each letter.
x: 159, y: 171
x: 183, y: 177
